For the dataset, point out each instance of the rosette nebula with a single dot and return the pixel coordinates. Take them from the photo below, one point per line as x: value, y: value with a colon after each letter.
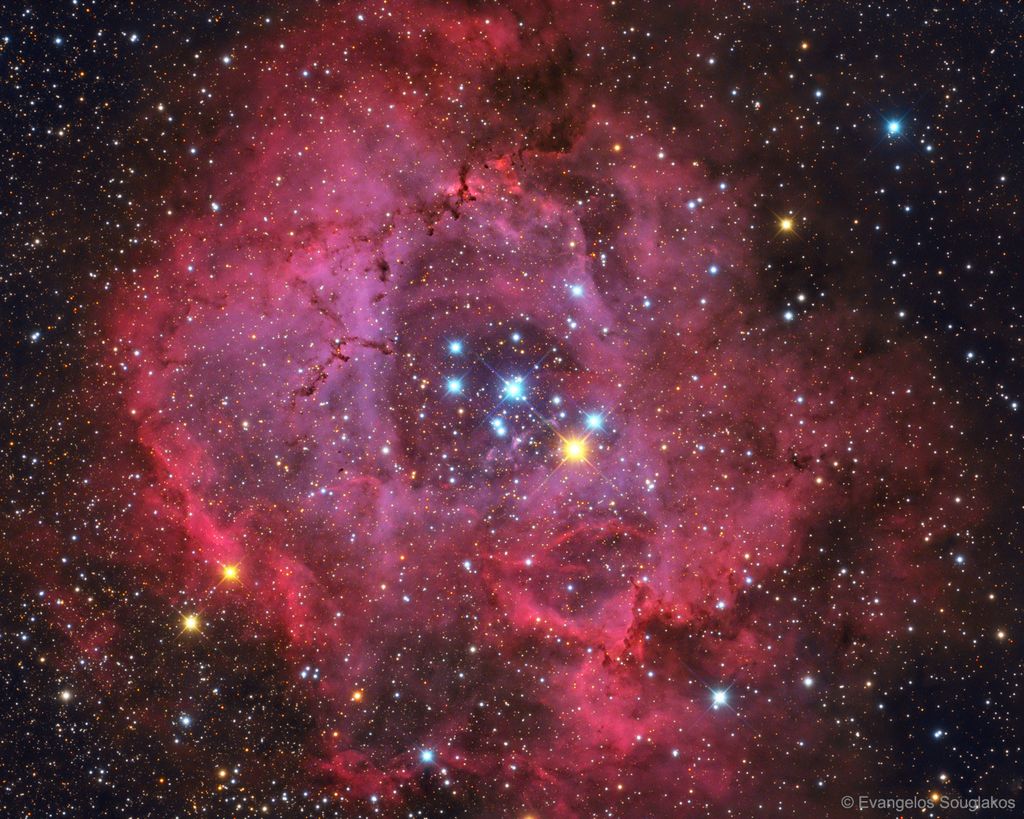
x: 515, y: 409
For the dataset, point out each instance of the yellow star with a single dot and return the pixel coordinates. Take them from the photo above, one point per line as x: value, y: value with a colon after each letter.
x: 574, y: 449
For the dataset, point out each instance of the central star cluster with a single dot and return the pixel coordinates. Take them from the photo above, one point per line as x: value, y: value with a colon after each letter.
x: 468, y: 384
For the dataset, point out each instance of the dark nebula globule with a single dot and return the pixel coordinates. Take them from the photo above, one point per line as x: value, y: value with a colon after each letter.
x: 511, y: 409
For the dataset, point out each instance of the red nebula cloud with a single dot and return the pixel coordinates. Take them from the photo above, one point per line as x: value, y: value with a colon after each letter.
x: 553, y: 632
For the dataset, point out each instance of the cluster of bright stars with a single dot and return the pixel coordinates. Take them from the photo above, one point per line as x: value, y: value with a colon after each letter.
x: 574, y: 449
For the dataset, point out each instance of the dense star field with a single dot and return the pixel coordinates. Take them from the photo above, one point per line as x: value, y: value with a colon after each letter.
x: 510, y: 409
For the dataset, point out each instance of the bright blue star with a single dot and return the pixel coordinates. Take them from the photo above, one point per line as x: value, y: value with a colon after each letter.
x: 455, y: 347
x: 454, y: 385
x: 719, y: 698
x: 426, y: 756
x: 894, y: 126
x: 576, y: 290
x: 594, y: 420
x: 514, y: 389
